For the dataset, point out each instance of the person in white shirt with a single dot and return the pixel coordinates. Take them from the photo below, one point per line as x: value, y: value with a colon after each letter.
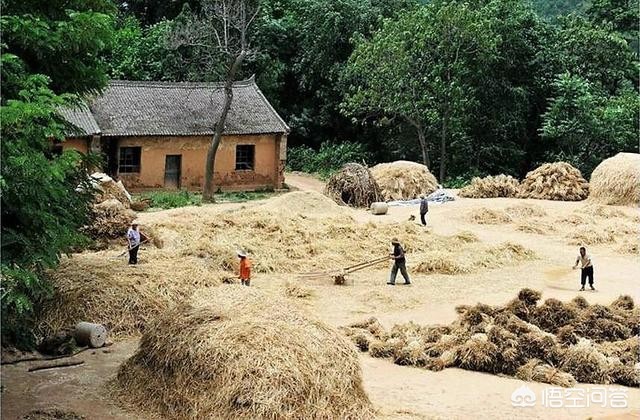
x: 586, y: 268
x: 133, y: 239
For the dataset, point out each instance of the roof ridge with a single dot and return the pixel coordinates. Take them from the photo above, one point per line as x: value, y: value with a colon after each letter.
x: 273, y: 110
x: 163, y: 84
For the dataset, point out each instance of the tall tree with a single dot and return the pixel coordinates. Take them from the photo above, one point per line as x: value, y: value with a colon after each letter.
x: 584, y: 126
x: 54, y: 44
x: 221, y: 30
x: 418, y: 68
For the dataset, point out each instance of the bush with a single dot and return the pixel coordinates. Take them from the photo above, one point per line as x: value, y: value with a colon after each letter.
x: 172, y: 199
x: 328, y: 159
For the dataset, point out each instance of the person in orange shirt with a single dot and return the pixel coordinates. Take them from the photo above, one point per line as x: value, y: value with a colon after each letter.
x: 245, y: 269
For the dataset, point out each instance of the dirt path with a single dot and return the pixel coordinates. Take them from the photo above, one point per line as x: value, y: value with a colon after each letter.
x: 303, y: 182
x: 397, y: 392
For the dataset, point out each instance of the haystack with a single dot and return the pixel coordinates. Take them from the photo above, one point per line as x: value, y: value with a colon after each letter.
x: 108, y: 189
x: 617, y: 180
x: 236, y: 353
x: 109, y: 219
x: 353, y: 185
x: 404, y: 180
x: 555, y: 181
x: 491, y: 187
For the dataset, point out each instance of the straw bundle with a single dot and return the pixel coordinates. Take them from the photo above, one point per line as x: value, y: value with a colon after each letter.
x: 536, y: 370
x: 493, y: 339
x: 109, y: 219
x: 586, y: 363
x: 491, y: 187
x: 555, y: 181
x: 353, y: 185
x: 553, y: 314
x: 617, y: 180
x: 629, y: 247
x: 235, y: 353
x: 478, y: 353
x: 404, y: 180
x: 620, y: 373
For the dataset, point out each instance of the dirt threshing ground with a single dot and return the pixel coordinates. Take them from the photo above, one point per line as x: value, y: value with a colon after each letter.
x: 397, y: 391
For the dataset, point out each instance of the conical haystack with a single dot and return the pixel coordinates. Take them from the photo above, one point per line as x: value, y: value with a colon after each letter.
x: 617, y: 180
x: 555, y: 181
x: 491, y: 187
x: 236, y: 353
x: 353, y: 185
x: 404, y: 180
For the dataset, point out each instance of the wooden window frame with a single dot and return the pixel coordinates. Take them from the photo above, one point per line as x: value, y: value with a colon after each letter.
x: 134, y: 165
x: 245, y: 156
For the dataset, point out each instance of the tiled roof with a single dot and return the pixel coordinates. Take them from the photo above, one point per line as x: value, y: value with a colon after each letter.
x: 127, y: 108
x: 80, y: 116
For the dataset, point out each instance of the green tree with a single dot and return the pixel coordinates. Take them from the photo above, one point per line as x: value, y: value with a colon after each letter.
x: 418, y: 68
x: 583, y: 126
x: 597, y: 54
x: 44, y: 196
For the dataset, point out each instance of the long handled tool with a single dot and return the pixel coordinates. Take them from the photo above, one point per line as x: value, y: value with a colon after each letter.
x: 339, y: 274
x: 123, y: 253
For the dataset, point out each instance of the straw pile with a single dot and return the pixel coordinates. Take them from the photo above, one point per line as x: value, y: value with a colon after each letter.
x: 617, y: 180
x: 555, y: 181
x: 107, y: 189
x: 556, y: 342
x: 109, y: 219
x: 404, y: 180
x: 295, y: 233
x: 353, y: 185
x: 485, y: 216
x: 236, y: 353
x: 491, y: 187
x: 111, y: 213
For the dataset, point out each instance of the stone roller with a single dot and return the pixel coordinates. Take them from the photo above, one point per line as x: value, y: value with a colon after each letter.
x: 89, y: 334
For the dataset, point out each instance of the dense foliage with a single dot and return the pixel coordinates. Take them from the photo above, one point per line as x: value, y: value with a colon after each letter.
x: 48, y: 49
x: 470, y: 87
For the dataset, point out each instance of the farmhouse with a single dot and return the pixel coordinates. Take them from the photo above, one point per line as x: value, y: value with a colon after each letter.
x: 156, y: 135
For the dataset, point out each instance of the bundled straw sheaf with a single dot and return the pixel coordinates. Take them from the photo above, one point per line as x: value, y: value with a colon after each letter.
x: 617, y: 180
x: 403, y: 180
x: 236, y: 353
x: 555, y: 181
x: 556, y: 342
x: 491, y: 187
x: 353, y: 185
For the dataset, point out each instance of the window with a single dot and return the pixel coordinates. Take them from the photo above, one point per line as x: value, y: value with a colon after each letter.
x: 245, y: 156
x: 129, y: 159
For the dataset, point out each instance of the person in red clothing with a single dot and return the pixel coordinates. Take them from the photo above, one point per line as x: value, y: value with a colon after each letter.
x: 245, y: 269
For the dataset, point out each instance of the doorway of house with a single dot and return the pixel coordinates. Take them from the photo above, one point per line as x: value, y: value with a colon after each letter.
x: 172, y: 171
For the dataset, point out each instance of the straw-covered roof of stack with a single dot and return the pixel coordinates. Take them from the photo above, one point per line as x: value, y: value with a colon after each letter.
x: 617, y: 180
x: 237, y: 353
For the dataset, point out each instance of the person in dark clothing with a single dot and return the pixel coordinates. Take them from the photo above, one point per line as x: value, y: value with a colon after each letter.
x: 134, y: 237
x: 398, y: 264
x: 424, y: 209
x: 586, y: 268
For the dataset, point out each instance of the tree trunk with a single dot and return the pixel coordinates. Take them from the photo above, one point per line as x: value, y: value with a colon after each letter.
x: 423, y: 145
x: 207, y: 193
x: 443, y: 147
